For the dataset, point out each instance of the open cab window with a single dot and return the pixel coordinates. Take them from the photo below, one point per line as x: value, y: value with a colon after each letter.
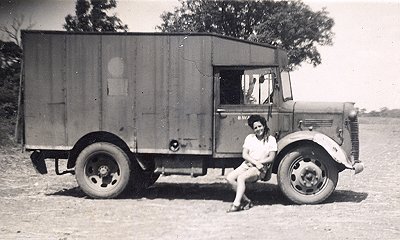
x: 252, y: 86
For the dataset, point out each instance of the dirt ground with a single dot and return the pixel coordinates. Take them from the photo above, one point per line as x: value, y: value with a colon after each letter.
x: 364, y: 206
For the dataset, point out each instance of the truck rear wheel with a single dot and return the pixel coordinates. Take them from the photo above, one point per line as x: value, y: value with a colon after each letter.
x: 102, y: 170
x: 307, y: 175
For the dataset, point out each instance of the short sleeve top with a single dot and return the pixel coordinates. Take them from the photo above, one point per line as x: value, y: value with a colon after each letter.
x: 258, y: 148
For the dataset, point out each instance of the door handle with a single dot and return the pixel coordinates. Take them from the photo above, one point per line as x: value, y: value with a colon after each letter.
x: 222, y: 116
x: 220, y: 113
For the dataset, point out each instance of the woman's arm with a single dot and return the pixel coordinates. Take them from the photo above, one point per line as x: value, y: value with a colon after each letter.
x: 270, y: 155
x: 269, y: 158
x: 247, y: 158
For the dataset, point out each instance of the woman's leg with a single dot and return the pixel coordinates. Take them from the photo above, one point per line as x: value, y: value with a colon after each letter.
x: 232, y: 179
x: 232, y: 176
x: 251, y: 175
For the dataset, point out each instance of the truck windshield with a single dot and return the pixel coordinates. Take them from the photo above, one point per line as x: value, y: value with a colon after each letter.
x: 247, y: 86
x: 286, y: 86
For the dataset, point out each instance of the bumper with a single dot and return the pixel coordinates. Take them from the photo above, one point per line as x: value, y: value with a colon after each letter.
x: 358, y: 167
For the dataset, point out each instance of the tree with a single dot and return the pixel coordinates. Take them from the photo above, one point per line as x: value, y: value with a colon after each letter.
x: 10, y: 57
x: 10, y: 70
x: 290, y: 25
x: 10, y: 65
x: 13, y: 32
x: 91, y: 16
x: 10, y: 48
x: 362, y: 111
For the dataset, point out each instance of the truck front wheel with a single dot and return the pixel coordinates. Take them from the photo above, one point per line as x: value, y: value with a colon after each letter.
x: 307, y: 175
x: 102, y: 170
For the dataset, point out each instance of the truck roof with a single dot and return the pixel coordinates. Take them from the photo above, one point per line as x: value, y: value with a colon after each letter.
x: 153, y: 34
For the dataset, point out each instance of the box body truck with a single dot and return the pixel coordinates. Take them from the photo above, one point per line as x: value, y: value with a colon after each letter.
x: 123, y: 108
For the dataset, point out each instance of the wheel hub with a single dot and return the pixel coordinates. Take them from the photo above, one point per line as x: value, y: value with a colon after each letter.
x: 307, y: 177
x: 103, y: 170
x: 310, y: 174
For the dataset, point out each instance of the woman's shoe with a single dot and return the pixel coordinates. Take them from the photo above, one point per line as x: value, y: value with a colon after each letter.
x: 247, y: 205
x: 234, y: 208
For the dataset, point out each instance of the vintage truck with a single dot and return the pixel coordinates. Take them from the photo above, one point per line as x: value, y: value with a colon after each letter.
x: 123, y: 108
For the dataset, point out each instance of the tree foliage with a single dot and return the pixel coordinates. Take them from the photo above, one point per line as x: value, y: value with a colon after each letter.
x: 91, y: 16
x: 290, y: 25
x: 10, y: 65
x: 10, y: 57
x: 382, y: 112
x: 11, y: 49
x: 10, y: 68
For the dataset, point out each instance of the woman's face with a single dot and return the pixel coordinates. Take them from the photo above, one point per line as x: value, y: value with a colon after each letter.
x: 258, y: 129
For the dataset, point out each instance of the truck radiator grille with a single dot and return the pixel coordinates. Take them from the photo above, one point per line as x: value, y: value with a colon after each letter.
x: 355, y: 143
x: 318, y: 122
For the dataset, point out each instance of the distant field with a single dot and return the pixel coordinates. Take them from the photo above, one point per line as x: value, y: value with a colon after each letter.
x: 379, y: 120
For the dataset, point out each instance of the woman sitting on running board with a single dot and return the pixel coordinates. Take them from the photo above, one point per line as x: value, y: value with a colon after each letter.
x: 259, y: 150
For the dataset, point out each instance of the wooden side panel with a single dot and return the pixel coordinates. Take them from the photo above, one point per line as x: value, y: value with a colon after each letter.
x: 44, y: 90
x: 192, y: 125
x: 118, y: 86
x: 174, y: 94
x: 83, y: 78
x: 148, y: 80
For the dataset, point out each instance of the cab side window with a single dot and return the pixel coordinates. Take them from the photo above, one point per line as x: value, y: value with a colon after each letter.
x: 230, y: 87
x: 247, y: 86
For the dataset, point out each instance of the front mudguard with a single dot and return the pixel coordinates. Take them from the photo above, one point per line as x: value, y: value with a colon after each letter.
x: 330, y: 146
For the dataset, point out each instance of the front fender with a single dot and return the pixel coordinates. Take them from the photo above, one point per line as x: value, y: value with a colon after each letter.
x: 333, y: 149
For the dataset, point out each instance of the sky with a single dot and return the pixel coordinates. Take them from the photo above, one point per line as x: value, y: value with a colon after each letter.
x: 362, y: 66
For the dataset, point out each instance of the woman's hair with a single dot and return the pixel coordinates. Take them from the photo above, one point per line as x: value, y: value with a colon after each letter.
x: 257, y: 118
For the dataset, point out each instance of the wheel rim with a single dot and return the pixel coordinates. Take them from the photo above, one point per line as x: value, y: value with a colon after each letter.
x: 308, y: 176
x: 102, y: 172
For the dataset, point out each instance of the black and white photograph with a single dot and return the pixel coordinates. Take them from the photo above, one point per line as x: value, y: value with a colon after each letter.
x: 200, y: 119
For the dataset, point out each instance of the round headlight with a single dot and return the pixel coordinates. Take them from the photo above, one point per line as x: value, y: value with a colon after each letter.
x: 353, y: 115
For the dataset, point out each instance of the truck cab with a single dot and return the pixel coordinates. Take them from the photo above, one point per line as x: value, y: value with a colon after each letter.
x: 308, y: 133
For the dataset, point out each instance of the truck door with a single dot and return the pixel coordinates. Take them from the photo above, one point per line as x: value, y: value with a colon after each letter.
x: 239, y: 93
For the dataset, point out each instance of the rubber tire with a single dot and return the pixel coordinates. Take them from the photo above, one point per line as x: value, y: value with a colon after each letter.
x: 284, y: 175
x: 119, y: 157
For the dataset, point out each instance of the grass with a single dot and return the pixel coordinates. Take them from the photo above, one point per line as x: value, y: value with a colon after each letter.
x: 379, y: 120
x: 7, y: 128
